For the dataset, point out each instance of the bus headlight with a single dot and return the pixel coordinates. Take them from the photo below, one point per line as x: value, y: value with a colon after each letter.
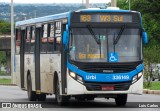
x: 72, y: 74
x: 137, y: 77
x: 79, y: 79
x: 76, y: 77
x: 134, y: 79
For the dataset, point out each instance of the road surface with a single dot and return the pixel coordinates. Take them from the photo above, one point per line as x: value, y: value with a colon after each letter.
x: 135, y: 102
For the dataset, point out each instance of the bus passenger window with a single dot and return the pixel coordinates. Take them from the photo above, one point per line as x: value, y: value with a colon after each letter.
x: 52, y: 30
x: 44, y: 38
x: 58, y: 41
x: 18, y: 42
x: 50, y: 47
x: 33, y: 39
x: 58, y: 36
x: 27, y: 40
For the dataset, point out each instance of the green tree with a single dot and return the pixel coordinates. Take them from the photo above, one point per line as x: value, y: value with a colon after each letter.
x: 150, y: 17
x: 3, y: 58
x: 5, y: 27
x: 123, y: 4
x: 150, y: 13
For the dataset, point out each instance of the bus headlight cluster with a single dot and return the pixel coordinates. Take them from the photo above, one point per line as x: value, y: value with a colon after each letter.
x: 76, y: 77
x: 137, y: 77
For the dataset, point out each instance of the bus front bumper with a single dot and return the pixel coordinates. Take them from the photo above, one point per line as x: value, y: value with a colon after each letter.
x: 76, y: 88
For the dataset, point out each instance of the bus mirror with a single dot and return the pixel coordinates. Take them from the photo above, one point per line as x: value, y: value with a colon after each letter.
x: 144, y: 37
x: 65, y: 38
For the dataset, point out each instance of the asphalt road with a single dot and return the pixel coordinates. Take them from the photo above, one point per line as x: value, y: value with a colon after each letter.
x: 135, y: 102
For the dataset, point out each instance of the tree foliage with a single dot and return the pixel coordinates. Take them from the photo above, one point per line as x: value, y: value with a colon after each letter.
x: 2, y: 58
x: 123, y: 4
x: 150, y: 10
x: 150, y: 16
x: 150, y: 13
x: 5, y: 27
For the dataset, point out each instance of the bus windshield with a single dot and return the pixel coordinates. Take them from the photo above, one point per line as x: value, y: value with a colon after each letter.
x: 83, y: 47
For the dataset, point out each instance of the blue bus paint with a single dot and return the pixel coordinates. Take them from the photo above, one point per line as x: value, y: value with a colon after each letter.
x: 69, y: 19
x: 65, y: 38
x: 144, y: 37
x: 102, y: 77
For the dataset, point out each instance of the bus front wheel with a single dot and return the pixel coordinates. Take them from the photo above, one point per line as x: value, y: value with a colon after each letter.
x: 32, y: 96
x: 121, y: 99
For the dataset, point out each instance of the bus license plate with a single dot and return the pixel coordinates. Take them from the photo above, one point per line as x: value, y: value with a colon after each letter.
x: 107, y: 88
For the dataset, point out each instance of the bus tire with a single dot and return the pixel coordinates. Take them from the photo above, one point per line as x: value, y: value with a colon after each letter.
x: 90, y: 98
x: 32, y: 96
x: 42, y: 97
x: 80, y: 98
x: 60, y: 99
x: 121, y: 99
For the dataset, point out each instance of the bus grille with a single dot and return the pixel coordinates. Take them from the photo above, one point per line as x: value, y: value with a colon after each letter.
x: 107, y: 67
x: 98, y: 86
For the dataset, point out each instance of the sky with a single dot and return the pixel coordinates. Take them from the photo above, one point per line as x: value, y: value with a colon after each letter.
x: 55, y: 1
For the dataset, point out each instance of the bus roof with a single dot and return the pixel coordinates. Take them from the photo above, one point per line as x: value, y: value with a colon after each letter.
x: 42, y: 19
x: 64, y: 15
x: 102, y: 10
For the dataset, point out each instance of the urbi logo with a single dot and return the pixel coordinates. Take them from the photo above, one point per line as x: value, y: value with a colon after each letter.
x: 90, y: 77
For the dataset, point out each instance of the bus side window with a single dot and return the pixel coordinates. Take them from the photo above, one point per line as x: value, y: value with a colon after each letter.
x: 58, y: 36
x: 44, y: 38
x: 32, y: 39
x: 50, y: 47
x: 27, y: 40
x: 18, y: 42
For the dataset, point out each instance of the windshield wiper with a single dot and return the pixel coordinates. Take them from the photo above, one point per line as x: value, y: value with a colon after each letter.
x: 100, y: 46
x: 119, y: 34
x: 93, y: 34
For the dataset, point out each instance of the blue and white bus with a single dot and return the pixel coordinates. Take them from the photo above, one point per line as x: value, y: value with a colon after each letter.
x: 84, y: 54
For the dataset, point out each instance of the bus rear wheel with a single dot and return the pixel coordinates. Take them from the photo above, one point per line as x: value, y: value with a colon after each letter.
x: 121, y: 99
x: 32, y: 96
x: 60, y: 99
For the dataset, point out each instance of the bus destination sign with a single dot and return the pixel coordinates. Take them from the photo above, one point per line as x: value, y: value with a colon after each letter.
x: 106, y: 18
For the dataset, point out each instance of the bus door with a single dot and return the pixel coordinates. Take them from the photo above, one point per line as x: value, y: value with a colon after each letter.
x: 37, y: 59
x: 63, y: 63
x: 22, y: 58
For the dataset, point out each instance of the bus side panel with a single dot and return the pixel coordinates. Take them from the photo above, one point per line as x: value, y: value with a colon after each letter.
x: 49, y: 64
x: 46, y: 73
x: 26, y: 63
x: 17, y: 71
x: 29, y: 66
x: 57, y: 68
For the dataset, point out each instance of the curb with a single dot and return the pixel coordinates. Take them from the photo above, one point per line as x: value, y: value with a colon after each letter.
x: 147, y: 91
x: 8, y: 85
